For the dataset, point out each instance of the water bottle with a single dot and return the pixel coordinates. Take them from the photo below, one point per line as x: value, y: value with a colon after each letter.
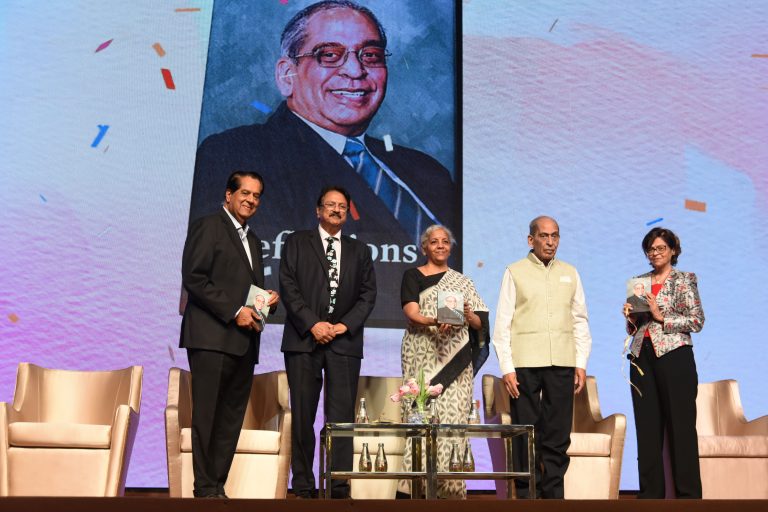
x: 455, y: 464
x: 381, y: 460
x: 362, y: 413
x: 468, y: 463
x: 434, y: 415
x: 473, y: 418
x: 364, y: 466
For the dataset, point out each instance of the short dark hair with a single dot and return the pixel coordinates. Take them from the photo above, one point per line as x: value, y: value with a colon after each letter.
x: 333, y: 188
x: 669, y: 237
x: 233, y: 182
x: 533, y: 227
x: 295, y: 32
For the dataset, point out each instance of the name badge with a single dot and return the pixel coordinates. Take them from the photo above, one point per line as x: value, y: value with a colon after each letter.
x: 565, y: 279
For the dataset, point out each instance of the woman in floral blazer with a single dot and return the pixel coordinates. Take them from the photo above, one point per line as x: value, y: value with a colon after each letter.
x: 664, y: 370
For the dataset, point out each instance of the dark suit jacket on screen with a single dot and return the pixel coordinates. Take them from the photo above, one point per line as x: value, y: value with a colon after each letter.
x: 217, y: 275
x: 304, y: 292
x: 296, y: 163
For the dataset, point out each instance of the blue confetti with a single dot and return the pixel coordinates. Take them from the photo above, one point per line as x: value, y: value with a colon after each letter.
x: 654, y: 221
x: 102, y: 130
x: 262, y: 107
x: 43, y: 198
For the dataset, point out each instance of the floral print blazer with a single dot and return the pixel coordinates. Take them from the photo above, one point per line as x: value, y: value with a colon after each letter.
x: 680, y: 305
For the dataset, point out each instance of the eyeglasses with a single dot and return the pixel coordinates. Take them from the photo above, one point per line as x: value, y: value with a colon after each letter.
x: 335, y: 56
x: 661, y: 249
x: 332, y: 206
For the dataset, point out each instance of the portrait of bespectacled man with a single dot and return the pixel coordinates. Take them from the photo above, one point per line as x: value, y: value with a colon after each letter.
x: 336, y: 92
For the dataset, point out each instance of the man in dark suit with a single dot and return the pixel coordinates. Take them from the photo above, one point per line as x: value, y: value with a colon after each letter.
x: 333, y: 74
x: 328, y: 287
x: 222, y: 259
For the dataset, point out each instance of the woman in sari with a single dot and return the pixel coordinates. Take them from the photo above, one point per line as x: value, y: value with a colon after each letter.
x: 449, y: 354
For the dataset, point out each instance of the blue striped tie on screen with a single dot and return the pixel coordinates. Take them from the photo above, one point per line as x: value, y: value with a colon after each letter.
x: 403, y: 205
x: 333, y: 273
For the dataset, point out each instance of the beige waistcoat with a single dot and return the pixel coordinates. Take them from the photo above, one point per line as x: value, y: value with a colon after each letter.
x: 542, y: 327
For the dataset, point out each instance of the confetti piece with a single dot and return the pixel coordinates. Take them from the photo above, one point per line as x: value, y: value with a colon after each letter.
x: 103, y: 45
x: 168, y: 78
x: 106, y: 148
x: 13, y: 318
x: 267, y: 271
x: 654, y: 221
x: 353, y: 211
x: 102, y: 130
x: 760, y: 55
x: 43, y: 199
x: 103, y: 232
x: 696, y: 206
x: 260, y: 106
x: 388, y: 143
x: 159, y: 49
x: 170, y: 353
x: 553, y: 24
x: 406, y: 63
x: 284, y: 2
x: 480, y: 264
x: 187, y: 9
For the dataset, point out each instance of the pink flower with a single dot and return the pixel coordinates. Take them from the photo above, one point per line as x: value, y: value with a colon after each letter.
x: 414, y: 387
x: 435, y: 390
x: 395, y: 397
x: 404, y: 390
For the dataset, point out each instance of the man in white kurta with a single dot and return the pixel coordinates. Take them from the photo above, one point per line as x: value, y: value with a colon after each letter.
x: 542, y: 340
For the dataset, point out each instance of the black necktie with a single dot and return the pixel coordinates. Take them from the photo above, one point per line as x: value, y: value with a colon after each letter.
x: 333, y: 273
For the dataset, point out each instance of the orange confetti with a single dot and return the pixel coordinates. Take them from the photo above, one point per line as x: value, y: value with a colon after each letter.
x: 159, y: 49
x: 760, y: 55
x: 187, y: 9
x: 13, y: 318
x: 697, y: 206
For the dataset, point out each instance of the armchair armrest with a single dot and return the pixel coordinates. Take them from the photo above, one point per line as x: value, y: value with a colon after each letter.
x: 4, y: 448
x: 756, y: 427
x: 124, y: 429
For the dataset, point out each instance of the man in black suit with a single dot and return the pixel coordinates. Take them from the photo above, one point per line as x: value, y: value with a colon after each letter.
x: 328, y: 287
x: 222, y: 259
x: 333, y: 74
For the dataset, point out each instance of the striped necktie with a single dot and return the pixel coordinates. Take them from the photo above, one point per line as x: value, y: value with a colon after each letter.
x: 400, y: 202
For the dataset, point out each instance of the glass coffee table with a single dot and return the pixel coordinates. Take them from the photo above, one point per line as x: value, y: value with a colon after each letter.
x: 424, y: 479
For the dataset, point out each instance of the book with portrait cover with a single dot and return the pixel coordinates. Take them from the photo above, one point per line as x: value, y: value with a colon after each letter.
x: 637, y: 287
x: 258, y: 300
x: 450, y: 307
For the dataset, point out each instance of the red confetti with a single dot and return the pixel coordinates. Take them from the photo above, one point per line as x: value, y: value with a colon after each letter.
x: 103, y: 45
x: 168, y: 78
x: 353, y: 211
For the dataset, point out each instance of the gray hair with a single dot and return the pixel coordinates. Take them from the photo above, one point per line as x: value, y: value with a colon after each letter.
x: 533, y: 227
x: 295, y: 32
x: 431, y: 229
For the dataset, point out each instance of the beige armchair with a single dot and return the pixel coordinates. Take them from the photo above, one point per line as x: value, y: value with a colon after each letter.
x: 69, y: 433
x: 262, y: 460
x: 733, y: 452
x: 376, y: 391
x: 597, y: 443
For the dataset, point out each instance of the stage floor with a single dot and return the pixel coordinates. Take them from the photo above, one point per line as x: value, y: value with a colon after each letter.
x: 160, y: 504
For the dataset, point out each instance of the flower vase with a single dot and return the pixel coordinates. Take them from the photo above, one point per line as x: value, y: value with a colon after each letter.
x: 417, y: 414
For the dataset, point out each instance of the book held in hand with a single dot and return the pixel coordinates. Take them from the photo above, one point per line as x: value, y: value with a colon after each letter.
x: 637, y: 287
x: 450, y: 307
x: 258, y: 300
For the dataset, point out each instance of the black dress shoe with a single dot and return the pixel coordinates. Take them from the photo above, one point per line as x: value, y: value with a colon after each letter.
x: 305, y: 495
x: 222, y: 496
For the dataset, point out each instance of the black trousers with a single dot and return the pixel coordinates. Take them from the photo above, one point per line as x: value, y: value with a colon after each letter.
x: 669, y: 387
x: 305, y: 378
x: 546, y: 402
x: 221, y: 385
